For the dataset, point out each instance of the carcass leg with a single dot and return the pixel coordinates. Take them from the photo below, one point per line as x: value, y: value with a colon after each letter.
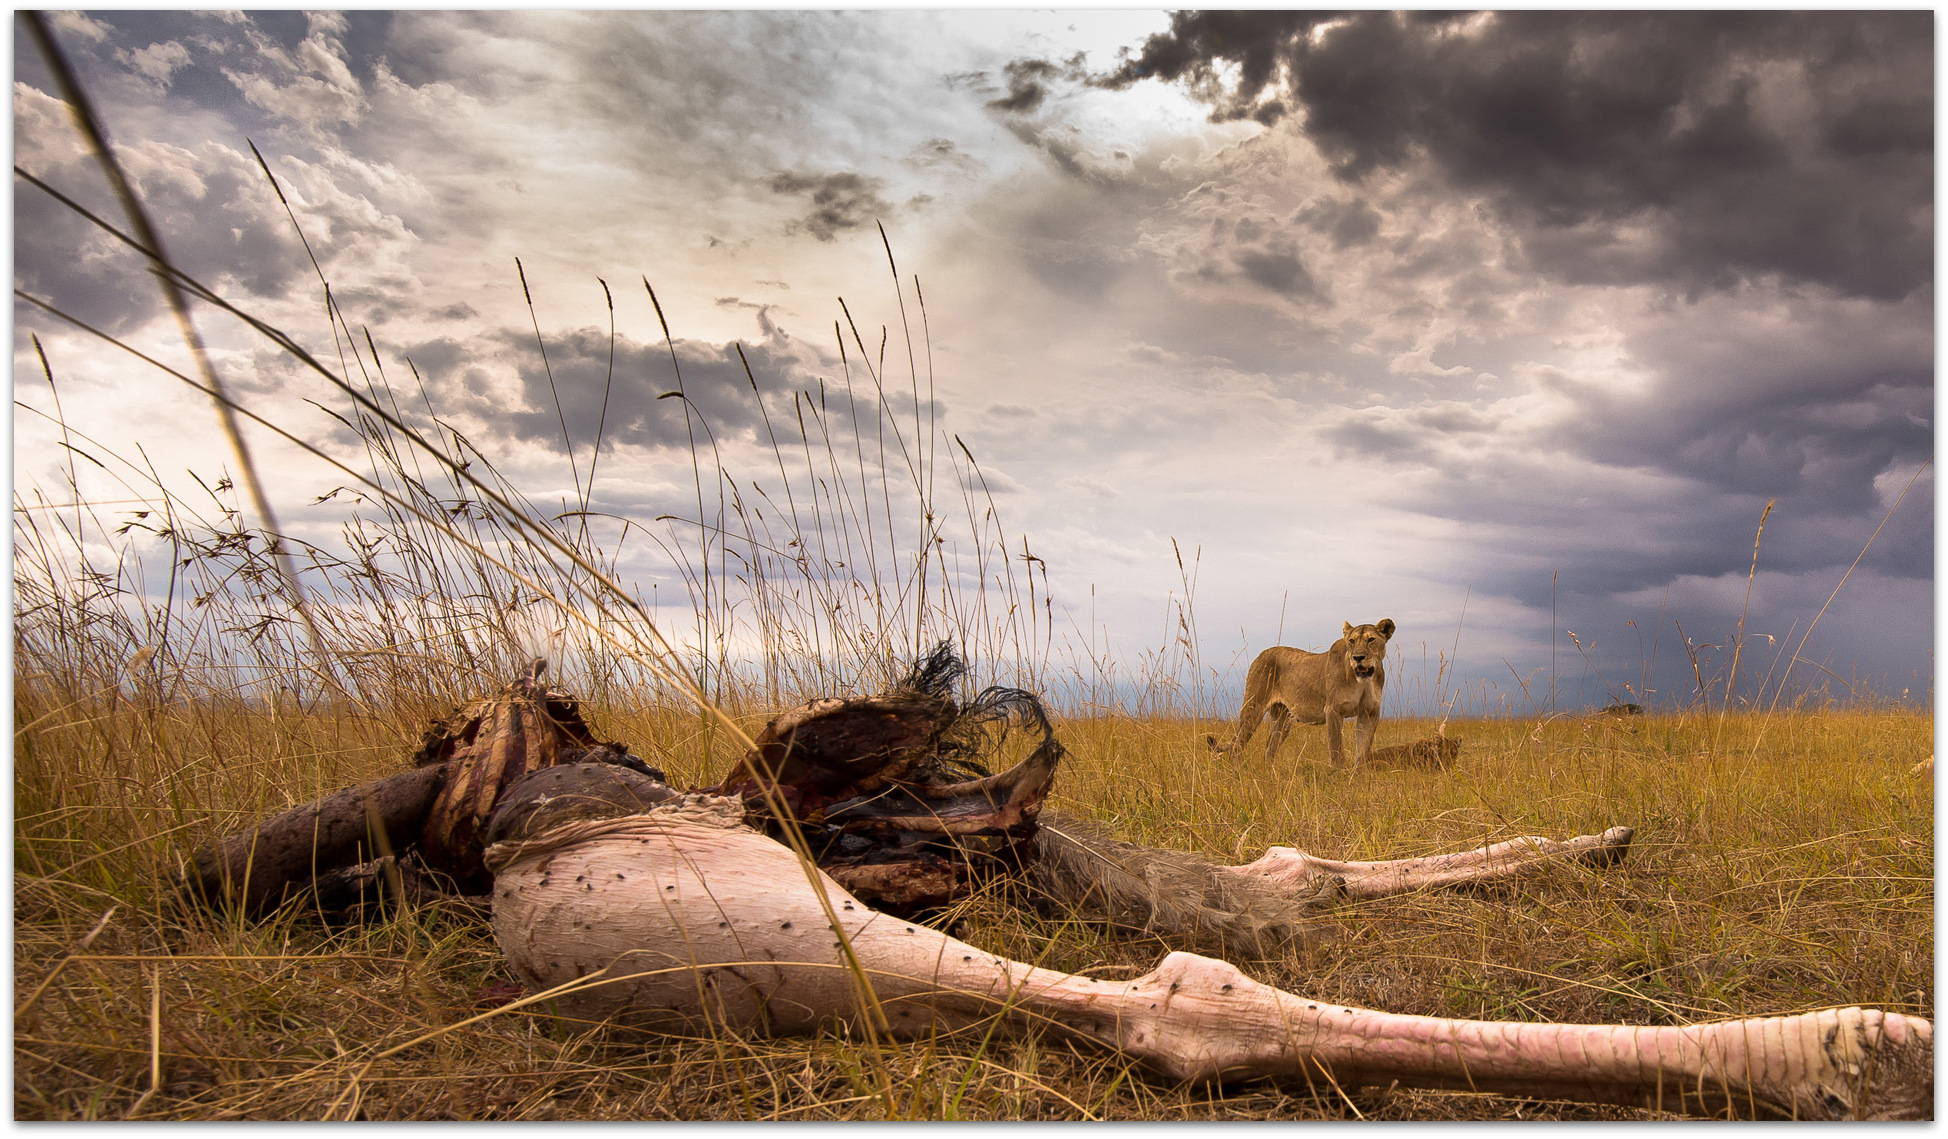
x: 1497, y: 861
x: 1198, y: 1018
x: 682, y: 916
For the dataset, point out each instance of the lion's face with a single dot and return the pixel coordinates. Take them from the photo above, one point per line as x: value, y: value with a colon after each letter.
x: 1366, y: 645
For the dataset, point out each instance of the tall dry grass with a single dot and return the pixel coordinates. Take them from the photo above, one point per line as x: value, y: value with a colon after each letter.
x: 1781, y: 864
x: 164, y: 695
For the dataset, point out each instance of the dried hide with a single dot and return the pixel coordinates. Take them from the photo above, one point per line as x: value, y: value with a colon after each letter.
x: 891, y: 794
x: 483, y: 749
x: 1081, y: 869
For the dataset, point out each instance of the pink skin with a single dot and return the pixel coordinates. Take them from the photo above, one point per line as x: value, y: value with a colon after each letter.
x: 682, y: 916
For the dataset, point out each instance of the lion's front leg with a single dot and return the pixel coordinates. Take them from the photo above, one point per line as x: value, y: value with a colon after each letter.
x: 1335, y: 739
x: 1367, y: 727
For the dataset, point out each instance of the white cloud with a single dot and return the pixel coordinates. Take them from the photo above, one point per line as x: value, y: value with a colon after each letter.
x: 79, y: 24
x: 157, y: 62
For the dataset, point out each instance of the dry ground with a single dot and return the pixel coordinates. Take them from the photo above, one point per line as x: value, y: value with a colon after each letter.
x: 1782, y: 863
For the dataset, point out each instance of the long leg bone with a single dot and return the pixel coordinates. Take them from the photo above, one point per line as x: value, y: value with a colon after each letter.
x: 682, y: 915
x: 1263, y: 905
x: 1497, y: 861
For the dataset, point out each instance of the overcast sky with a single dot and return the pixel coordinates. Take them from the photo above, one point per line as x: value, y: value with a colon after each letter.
x: 1371, y: 314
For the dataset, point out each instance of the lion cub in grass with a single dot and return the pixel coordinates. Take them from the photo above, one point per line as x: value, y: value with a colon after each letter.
x: 1317, y: 688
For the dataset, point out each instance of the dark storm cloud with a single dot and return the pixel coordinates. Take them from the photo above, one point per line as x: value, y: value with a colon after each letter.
x: 839, y: 201
x: 1260, y: 252
x: 217, y: 216
x: 1347, y: 224
x: 1025, y: 89
x: 1820, y: 449
x: 1596, y: 550
x: 471, y: 377
x: 1278, y: 268
x: 1022, y: 110
x: 1633, y: 487
x: 1028, y: 83
x: 1747, y: 145
x: 942, y: 153
x: 1822, y: 414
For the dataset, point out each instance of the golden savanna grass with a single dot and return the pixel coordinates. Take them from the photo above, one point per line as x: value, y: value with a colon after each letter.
x: 1782, y: 863
x: 165, y: 696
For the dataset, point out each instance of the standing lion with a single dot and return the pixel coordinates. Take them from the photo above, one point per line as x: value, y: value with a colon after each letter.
x: 1347, y: 679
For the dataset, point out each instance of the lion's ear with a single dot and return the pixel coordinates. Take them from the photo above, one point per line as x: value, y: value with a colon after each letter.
x: 1386, y: 627
x: 1347, y: 631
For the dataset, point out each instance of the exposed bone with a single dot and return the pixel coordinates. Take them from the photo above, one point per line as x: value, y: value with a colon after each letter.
x: 1497, y: 861
x: 680, y: 913
x: 1261, y: 906
x: 682, y: 917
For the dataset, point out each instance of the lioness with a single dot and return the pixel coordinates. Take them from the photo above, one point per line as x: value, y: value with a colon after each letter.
x: 1316, y: 688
